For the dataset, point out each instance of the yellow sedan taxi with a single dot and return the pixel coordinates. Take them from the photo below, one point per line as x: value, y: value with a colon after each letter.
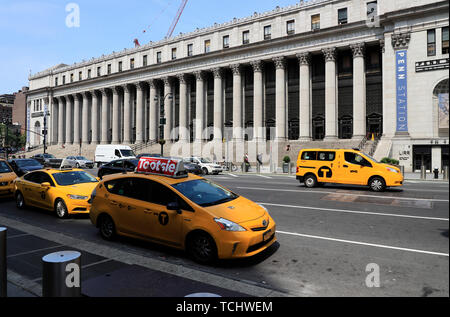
x: 162, y: 203
x: 65, y: 192
x: 7, y: 177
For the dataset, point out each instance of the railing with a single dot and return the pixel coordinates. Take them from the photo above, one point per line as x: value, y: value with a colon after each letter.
x: 374, y: 146
x: 362, y: 143
x: 138, y: 147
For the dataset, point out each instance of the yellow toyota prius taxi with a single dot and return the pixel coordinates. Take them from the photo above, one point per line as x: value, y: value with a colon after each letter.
x: 318, y: 166
x: 7, y: 177
x: 162, y: 203
x: 63, y: 191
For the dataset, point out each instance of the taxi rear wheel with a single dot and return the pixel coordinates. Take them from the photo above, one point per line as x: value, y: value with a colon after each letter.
x: 310, y: 181
x: 20, y: 200
x: 202, y: 248
x: 61, y: 209
x: 107, y: 227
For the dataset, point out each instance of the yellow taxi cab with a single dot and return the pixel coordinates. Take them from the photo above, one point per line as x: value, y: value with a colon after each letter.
x: 160, y: 202
x: 344, y: 166
x: 65, y: 192
x: 7, y: 177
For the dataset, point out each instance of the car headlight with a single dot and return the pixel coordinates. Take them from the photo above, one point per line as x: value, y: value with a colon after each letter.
x: 391, y: 170
x: 77, y: 197
x: 228, y: 225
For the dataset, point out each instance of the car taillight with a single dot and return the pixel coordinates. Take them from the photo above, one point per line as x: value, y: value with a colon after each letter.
x: 297, y: 169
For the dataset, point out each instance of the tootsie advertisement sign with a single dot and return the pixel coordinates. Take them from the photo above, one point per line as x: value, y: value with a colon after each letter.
x: 160, y: 166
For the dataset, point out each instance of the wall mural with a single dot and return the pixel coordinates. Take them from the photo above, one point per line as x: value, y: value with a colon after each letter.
x: 443, y: 111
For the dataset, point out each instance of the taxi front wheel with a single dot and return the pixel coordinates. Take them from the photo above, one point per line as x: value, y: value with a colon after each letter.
x: 107, y: 227
x: 377, y: 184
x: 310, y: 181
x: 20, y: 201
x: 61, y: 209
x: 202, y: 248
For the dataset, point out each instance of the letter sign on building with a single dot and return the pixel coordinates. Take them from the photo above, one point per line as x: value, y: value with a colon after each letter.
x: 402, y: 90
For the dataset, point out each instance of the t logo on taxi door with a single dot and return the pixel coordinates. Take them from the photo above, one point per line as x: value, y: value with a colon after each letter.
x: 163, y: 218
x: 325, y: 171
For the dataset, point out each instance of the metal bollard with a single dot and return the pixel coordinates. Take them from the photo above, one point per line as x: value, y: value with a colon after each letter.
x: 3, y: 281
x: 258, y: 168
x: 61, y: 274
x: 402, y: 170
x: 446, y: 173
x: 423, y: 172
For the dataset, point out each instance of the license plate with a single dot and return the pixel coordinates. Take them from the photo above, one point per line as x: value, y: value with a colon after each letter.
x: 267, y: 235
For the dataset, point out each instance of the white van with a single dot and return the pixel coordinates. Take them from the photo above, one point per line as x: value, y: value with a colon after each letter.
x: 107, y: 153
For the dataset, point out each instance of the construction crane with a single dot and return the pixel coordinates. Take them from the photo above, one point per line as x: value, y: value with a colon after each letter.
x: 176, y: 19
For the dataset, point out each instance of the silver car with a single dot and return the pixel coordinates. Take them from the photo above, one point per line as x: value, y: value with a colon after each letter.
x: 78, y: 162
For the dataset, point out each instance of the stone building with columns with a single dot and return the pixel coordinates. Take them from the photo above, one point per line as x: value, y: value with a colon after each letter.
x: 325, y: 73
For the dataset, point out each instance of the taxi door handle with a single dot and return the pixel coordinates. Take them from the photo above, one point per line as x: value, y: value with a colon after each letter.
x: 346, y: 166
x: 130, y: 208
x: 113, y: 203
x: 148, y: 211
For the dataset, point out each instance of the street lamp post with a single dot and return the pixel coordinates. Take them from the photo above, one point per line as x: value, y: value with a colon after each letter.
x: 162, y: 121
x: 6, y: 122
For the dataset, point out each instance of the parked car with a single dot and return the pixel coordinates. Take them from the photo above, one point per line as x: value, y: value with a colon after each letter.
x: 48, y: 160
x: 190, y: 167
x: 108, y: 153
x: 147, y: 155
x: 23, y: 166
x: 118, y: 166
x: 207, y: 166
x: 77, y: 162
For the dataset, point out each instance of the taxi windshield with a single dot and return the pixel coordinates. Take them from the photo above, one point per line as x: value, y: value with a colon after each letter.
x: 73, y: 178
x: 370, y: 158
x: 205, y: 193
x: 4, y: 168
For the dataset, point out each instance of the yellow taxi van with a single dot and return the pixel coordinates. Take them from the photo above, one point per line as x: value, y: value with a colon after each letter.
x: 161, y: 203
x: 345, y: 166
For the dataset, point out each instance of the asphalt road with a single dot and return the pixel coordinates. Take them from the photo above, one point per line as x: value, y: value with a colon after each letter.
x: 327, y: 237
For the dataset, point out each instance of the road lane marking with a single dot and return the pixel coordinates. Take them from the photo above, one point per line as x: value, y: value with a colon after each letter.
x: 347, y: 194
x: 18, y: 236
x: 356, y: 212
x: 34, y: 251
x: 233, y: 175
x: 363, y: 243
x: 264, y: 176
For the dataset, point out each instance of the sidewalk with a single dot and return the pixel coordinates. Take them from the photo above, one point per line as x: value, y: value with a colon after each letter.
x: 16, y: 291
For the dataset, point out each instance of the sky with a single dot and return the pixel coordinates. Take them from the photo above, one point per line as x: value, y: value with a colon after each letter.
x: 34, y: 34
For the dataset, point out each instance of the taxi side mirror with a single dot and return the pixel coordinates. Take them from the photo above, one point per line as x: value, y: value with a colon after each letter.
x: 45, y: 185
x: 174, y: 206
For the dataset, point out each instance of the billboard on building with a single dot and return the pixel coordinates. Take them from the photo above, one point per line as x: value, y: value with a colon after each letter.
x: 443, y: 111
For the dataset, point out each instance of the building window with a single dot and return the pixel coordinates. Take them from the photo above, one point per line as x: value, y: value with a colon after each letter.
x: 315, y: 22
x: 109, y: 69
x: 190, y: 49
x: 342, y: 16
x: 290, y: 27
x: 120, y: 66
x: 99, y: 71
x: 207, y: 46
x: 226, y: 41
x: 174, y: 53
x: 445, y: 40
x: 132, y: 63
x: 431, y: 42
x: 268, y: 32
x: 245, y: 37
x: 144, y: 60
x: 89, y: 73
x: 372, y: 10
x: 71, y: 78
x: 158, y: 58
x: 80, y: 75
x: 64, y: 80
x: 56, y: 81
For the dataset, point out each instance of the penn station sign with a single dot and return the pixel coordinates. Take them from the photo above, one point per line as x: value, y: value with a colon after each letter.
x: 402, y: 90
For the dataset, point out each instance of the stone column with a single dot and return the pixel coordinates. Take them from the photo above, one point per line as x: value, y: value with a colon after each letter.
x: 60, y: 120
x: 182, y: 130
x: 168, y: 108
x: 94, y: 118
x: 153, y: 117
x: 237, y: 103
x: 305, y: 97
x: 359, y: 91
x: 200, y: 106
x: 78, y: 99
x: 140, y: 103
x: 105, y: 110
x: 218, y: 113
x: 85, y: 118
x: 258, y: 98
x: 280, y: 98
x: 330, y: 94
x: 126, y: 114
x: 69, y: 123
x: 115, y: 116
